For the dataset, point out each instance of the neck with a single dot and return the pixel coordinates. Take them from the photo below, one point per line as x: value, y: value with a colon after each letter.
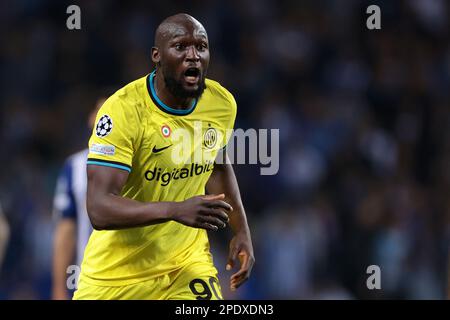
x: 167, y: 97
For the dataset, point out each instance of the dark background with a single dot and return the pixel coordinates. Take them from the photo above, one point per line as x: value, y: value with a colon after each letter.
x: 363, y: 118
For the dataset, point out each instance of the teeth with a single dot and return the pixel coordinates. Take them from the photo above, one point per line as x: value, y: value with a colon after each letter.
x: 191, y: 79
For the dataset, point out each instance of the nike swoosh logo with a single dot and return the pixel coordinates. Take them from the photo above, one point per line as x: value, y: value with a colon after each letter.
x: 156, y: 150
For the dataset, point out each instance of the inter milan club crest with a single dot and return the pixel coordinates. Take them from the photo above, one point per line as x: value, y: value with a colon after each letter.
x: 104, y: 126
x: 165, y: 130
x: 210, y: 138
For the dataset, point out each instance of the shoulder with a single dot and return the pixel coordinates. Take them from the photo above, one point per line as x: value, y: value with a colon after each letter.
x: 128, y: 99
x: 225, y: 106
x: 220, y: 92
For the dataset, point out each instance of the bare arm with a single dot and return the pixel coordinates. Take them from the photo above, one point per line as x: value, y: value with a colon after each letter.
x: 64, y: 244
x: 108, y: 210
x: 223, y: 180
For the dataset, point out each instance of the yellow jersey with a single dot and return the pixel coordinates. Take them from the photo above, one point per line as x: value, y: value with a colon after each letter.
x: 169, y: 154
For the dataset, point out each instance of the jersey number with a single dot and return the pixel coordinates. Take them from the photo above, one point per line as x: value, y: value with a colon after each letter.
x: 206, y: 292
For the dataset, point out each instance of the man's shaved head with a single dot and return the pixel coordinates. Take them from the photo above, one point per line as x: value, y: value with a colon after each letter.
x: 170, y: 26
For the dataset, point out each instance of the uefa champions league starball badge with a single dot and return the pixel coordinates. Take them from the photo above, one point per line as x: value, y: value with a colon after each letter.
x: 104, y: 126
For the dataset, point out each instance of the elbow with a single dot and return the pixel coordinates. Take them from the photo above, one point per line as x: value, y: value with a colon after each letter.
x: 96, y: 221
x: 97, y: 225
x: 96, y: 217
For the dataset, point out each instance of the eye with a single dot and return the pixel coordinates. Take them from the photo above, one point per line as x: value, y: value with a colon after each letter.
x: 179, y: 46
x: 202, y: 46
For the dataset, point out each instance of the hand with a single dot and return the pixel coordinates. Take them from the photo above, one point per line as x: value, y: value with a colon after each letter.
x: 208, y: 212
x: 240, y: 247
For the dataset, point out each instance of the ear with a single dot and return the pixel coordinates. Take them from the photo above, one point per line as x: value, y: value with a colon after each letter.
x: 156, y: 57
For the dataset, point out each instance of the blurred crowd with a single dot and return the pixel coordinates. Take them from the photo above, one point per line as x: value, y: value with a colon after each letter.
x: 363, y: 117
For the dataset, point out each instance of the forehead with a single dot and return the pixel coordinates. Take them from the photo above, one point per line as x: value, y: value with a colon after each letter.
x: 186, y: 29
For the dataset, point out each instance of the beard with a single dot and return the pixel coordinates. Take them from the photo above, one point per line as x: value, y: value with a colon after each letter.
x: 176, y: 87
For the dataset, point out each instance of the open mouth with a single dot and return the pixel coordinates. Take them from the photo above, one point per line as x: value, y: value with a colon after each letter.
x: 192, y: 75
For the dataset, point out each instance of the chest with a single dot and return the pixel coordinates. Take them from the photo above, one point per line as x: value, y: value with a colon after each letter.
x: 176, y: 143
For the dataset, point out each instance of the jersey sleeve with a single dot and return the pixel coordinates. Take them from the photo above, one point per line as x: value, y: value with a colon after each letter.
x: 232, y: 119
x: 113, y: 136
x: 64, y: 205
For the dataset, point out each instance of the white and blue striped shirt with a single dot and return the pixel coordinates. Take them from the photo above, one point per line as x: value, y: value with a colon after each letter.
x: 70, y: 198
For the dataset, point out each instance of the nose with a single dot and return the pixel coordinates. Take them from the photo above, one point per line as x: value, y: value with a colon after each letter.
x: 192, y: 54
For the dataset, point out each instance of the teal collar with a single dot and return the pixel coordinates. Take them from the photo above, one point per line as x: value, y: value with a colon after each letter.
x: 161, y: 105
